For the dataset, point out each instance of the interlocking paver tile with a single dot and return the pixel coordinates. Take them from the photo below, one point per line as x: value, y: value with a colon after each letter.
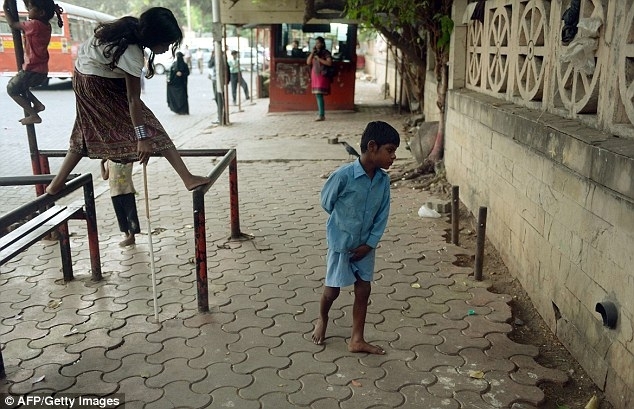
x: 176, y: 368
x: 351, y: 368
x: 450, y: 381
x: 480, y: 326
x: 459, y: 309
x: 504, y: 392
x: 99, y: 337
x: 530, y: 372
x: 136, y: 323
x: 136, y: 390
x: 365, y: 395
x: 132, y: 365
x: 219, y: 375
x: 89, y: 360
x: 51, y: 380
x: 315, y: 387
x: 408, y: 337
x: 65, y: 316
x: 228, y: 398
x: 417, y: 396
x: 27, y: 330
x: 503, y: 347
x: 174, y: 347
x: 434, y: 323
x: 258, y: 358
x: 470, y: 399
x: 267, y: 380
x: 398, y: 374
x: 18, y: 350
x: 455, y: 341
x: 428, y: 358
x: 302, y: 363
x: 179, y: 395
x: 477, y: 360
x: 285, y: 323
x: 173, y: 329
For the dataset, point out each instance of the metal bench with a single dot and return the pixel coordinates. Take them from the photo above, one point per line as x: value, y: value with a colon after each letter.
x: 43, y: 217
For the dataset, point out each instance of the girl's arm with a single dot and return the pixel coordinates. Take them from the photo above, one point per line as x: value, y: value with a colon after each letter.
x: 133, y: 88
x: 105, y: 171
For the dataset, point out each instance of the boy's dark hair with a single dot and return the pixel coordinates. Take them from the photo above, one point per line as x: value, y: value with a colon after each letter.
x: 156, y: 25
x: 381, y: 133
x: 49, y: 8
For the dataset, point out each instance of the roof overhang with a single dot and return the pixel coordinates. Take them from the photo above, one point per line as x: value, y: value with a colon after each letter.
x: 274, y: 12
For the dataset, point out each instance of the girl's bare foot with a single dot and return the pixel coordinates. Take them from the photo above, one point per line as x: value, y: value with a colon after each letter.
x: 365, y: 347
x: 194, y: 181
x: 31, y: 119
x: 319, y: 334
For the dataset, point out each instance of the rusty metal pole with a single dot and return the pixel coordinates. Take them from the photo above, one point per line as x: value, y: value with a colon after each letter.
x: 233, y: 199
x: 479, y: 256
x: 30, y: 129
x: 93, y: 234
x: 455, y: 215
x: 200, y: 244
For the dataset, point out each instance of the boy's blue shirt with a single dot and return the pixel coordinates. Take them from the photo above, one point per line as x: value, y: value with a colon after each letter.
x: 358, y: 207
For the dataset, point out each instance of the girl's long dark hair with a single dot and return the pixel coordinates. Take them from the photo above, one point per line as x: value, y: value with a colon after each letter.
x: 155, y: 26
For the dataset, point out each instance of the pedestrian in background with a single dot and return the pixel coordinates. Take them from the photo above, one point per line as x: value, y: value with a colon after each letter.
x: 357, y: 199
x: 119, y: 176
x: 236, y: 77
x: 319, y: 82
x: 177, y: 99
x: 34, y: 71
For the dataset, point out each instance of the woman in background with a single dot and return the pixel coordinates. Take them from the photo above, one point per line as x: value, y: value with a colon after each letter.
x: 177, y: 86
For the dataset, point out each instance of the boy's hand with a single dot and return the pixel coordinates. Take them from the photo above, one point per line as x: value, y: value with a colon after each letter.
x: 360, y: 252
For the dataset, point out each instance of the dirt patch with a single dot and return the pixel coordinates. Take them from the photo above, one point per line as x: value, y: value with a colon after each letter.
x: 528, y: 325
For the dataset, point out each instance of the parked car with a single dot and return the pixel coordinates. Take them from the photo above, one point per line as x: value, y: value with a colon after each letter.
x: 163, y: 62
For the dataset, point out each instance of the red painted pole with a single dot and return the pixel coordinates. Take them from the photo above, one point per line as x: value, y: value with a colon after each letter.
x: 200, y: 244
x: 233, y: 199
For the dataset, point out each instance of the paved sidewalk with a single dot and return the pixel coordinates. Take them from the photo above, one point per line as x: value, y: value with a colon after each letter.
x: 445, y: 334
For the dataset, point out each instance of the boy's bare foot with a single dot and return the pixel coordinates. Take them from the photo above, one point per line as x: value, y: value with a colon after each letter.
x: 365, y: 347
x: 196, y: 181
x: 39, y: 107
x: 128, y: 241
x: 31, y: 119
x: 319, y: 334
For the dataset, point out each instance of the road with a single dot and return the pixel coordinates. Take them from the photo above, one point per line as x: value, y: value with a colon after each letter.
x: 58, y: 118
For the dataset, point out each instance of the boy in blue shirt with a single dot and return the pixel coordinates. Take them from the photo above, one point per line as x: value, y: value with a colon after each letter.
x: 357, y: 198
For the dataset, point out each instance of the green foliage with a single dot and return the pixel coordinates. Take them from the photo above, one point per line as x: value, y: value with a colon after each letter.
x: 446, y: 27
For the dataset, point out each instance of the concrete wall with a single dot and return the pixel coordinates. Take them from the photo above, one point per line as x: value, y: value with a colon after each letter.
x: 560, y: 220
x: 553, y: 161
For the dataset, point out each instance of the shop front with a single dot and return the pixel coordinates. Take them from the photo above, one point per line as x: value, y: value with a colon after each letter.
x: 289, y: 81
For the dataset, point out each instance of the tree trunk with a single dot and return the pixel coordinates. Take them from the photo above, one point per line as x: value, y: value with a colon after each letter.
x: 442, y: 85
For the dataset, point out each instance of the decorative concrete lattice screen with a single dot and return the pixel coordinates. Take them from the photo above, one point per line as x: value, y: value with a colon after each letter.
x: 517, y: 55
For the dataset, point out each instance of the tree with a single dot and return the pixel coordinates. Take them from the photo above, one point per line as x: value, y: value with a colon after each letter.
x: 410, y: 25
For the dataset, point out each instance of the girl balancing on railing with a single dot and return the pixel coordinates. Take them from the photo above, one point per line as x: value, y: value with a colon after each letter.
x: 112, y: 122
x: 37, y: 34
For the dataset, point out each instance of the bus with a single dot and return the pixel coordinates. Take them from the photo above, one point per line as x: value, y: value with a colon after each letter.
x: 79, y: 25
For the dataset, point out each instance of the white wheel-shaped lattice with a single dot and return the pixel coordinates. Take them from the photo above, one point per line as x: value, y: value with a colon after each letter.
x: 474, y: 53
x: 498, y: 61
x: 530, y: 67
x: 579, y: 91
x: 626, y: 67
